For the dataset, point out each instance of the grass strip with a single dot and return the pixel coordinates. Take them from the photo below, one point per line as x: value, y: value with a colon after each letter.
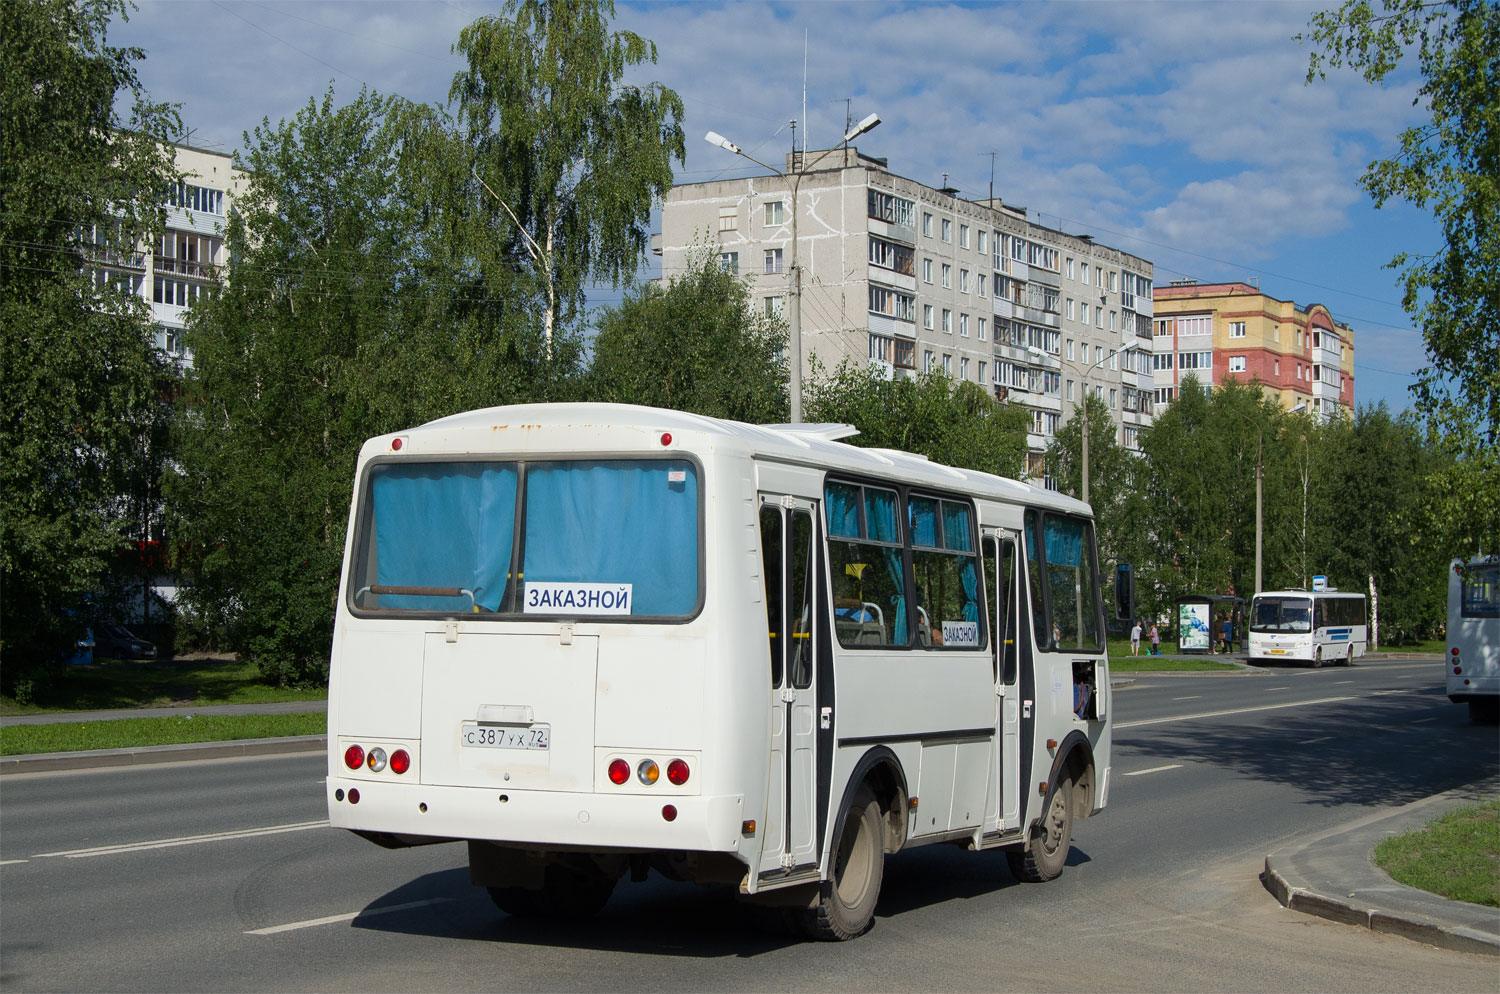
x: 126, y: 733
x: 1161, y: 664
x: 111, y: 684
x: 1457, y: 856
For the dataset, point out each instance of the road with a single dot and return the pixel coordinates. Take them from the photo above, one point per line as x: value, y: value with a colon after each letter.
x: 221, y: 877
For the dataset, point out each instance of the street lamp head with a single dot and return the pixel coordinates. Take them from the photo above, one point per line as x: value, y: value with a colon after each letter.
x: 1033, y: 350
x: 714, y: 138
x: 1298, y: 408
x: 867, y: 124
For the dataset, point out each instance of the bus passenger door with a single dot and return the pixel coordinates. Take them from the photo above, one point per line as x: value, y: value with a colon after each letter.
x: 1004, y: 603
x: 787, y: 545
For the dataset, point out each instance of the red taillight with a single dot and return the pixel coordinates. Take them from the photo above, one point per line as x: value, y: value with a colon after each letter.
x: 677, y: 772
x: 400, y: 761
x: 619, y: 771
x: 1454, y: 650
x: 666, y: 438
x: 395, y: 445
x: 354, y: 795
x: 354, y: 757
x: 669, y: 812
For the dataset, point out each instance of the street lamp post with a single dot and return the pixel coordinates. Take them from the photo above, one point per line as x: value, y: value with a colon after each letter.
x: 1259, y: 474
x: 794, y: 277
x: 1084, y: 406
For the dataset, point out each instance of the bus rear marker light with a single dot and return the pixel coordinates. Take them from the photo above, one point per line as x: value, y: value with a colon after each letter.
x: 677, y: 772
x: 395, y: 445
x: 353, y: 795
x: 648, y: 772
x: 669, y: 812
x: 354, y: 757
x: 400, y: 761
x: 619, y: 771
x: 376, y: 760
x: 666, y: 438
x: 747, y: 827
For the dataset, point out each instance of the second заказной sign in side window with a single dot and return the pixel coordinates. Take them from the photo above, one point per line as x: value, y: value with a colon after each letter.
x: 606, y: 539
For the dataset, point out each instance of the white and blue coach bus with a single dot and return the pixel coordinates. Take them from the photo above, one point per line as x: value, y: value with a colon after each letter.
x: 1314, y: 626
x: 593, y: 640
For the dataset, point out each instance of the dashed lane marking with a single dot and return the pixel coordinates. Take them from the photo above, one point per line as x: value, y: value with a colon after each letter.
x: 186, y: 840
x: 1155, y: 769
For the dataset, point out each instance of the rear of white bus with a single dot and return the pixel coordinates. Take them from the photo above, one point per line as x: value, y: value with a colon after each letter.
x: 521, y: 655
x: 1473, y: 642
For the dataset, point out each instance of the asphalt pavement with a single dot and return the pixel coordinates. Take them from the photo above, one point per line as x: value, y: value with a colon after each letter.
x: 1331, y: 875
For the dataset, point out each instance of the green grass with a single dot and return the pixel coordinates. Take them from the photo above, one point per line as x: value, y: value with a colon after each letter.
x: 20, y: 740
x: 1457, y: 856
x: 117, y: 684
x: 1155, y: 664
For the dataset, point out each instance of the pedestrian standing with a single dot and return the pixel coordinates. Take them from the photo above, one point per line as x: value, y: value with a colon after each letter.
x: 1155, y: 640
x: 1135, y: 639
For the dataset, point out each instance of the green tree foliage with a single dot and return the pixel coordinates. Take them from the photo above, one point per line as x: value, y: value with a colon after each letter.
x: 81, y: 380
x: 1447, y: 164
x: 571, y: 155
x: 696, y: 344
x: 957, y: 424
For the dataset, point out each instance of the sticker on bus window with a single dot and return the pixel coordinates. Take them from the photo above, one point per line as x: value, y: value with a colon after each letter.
x: 577, y: 598
x: 964, y: 634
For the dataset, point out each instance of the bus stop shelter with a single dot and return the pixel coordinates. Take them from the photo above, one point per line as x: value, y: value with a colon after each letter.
x: 1202, y: 621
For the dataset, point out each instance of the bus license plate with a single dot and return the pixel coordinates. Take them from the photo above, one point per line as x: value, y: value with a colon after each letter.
x: 1278, y: 652
x: 504, y: 737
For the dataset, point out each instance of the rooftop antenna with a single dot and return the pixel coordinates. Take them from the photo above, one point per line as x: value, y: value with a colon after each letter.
x: 187, y: 137
x: 848, y: 113
x: 804, y: 89
x: 796, y: 159
x: 992, y: 176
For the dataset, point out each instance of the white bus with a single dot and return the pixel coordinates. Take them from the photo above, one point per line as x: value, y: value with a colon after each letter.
x: 592, y: 640
x: 1473, y: 658
x: 1315, y: 626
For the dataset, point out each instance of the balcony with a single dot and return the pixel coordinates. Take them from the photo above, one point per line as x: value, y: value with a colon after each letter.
x: 184, y: 267
x: 895, y: 232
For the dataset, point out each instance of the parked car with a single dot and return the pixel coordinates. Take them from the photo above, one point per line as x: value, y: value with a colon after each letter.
x: 119, y: 642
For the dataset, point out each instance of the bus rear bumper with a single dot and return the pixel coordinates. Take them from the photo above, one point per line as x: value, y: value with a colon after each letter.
x: 548, y: 819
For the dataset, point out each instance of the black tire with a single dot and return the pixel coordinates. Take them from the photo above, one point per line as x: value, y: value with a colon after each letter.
x: 1484, y: 710
x: 846, y: 903
x: 566, y: 893
x: 1046, y: 851
x: 1317, y: 659
x: 1348, y: 657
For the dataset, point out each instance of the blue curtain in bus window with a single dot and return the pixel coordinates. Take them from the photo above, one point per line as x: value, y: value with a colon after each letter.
x: 841, y: 503
x: 924, y: 522
x: 616, y: 522
x: 880, y: 521
x: 956, y: 531
x: 444, y: 525
x: 1064, y: 542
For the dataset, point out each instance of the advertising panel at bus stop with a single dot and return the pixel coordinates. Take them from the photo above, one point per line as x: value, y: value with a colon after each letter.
x: 1193, y: 627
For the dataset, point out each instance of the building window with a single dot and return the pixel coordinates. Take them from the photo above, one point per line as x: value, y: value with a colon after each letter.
x: 1070, y: 308
x: 983, y: 331
x: 729, y: 262
x: 773, y: 260
x: 927, y: 316
x: 963, y: 236
x: 1111, y: 320
x: 1083, y: 313
x: 927, y: 230
x: 1195, y: 360
x: 1114, y: 282
x: 926, y: 270
x: 980, y: 247
x: 1112, y: 394
x: 773, y: 306
x: 880, y: 348
x: 947, y: 230
x: 1164, y: 328
x: 963, y: 281
x: 901, y: 306
x: 1070, y: 390
x: 1083, y: 272
x: 1069, y: 268
x: 963, y: 325
x: 947, y: 364
x: 947, y: 321
x: 927, y: 360
x: 196, y: 198
x: 1099, y: 318
x: 905, y: 354
x: 1070, y: 349
x: 982, y: 363
x: 729, y: 219
x: 979, y: 280
x: 773, y: 213
x: 889, y: 255
x: 947, y: 275
x: 963, y: 369
x: 891, y: 209
x: 1236, y: 329
x: 1236, y: 364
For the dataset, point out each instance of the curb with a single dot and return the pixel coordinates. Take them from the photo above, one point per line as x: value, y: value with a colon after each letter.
x: 92, y: 759
x: 1303, y: 876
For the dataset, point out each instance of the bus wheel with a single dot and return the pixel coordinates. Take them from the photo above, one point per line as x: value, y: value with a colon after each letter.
x: 1043, y: 855
x: 846, y: 904
x: 1317, y: 659
x: 567, y: 893
x: 1349, y: 656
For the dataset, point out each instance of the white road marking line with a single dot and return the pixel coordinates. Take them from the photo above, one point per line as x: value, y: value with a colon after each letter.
x: 335, y: 919
x: 1217, y: 714
x: 1154, y: 769
x: 1423, y: 721
x: 187, y: 840
x: 7, y: 862
x: 1277, y: 688
x: 1324, y: 738
x: 1340, y: 682
x: 1193, y: 698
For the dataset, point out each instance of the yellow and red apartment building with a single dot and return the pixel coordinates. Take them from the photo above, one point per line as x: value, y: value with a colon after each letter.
x: 1216, y: 331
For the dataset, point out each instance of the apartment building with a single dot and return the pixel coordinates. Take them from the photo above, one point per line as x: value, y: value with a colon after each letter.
x: 1218, y: 330
x: 173, y: 272
x: 910, y: 277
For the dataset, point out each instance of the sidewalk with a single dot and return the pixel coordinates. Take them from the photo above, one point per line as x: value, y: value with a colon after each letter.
x: 1334, y: 876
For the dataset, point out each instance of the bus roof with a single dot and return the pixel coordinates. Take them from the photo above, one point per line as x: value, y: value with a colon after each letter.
x: 817, y: 444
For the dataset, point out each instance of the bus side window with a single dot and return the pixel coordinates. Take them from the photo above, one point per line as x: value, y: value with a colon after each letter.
x: 802, y: 589
x: 1000, y: 571
x: 773, y: 572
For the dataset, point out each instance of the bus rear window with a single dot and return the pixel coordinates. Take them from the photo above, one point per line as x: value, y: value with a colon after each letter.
x: 1481, y: 592
x: 612, y: 538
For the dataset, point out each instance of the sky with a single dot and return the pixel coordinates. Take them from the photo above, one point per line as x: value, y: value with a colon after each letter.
x: 1181, y: 131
